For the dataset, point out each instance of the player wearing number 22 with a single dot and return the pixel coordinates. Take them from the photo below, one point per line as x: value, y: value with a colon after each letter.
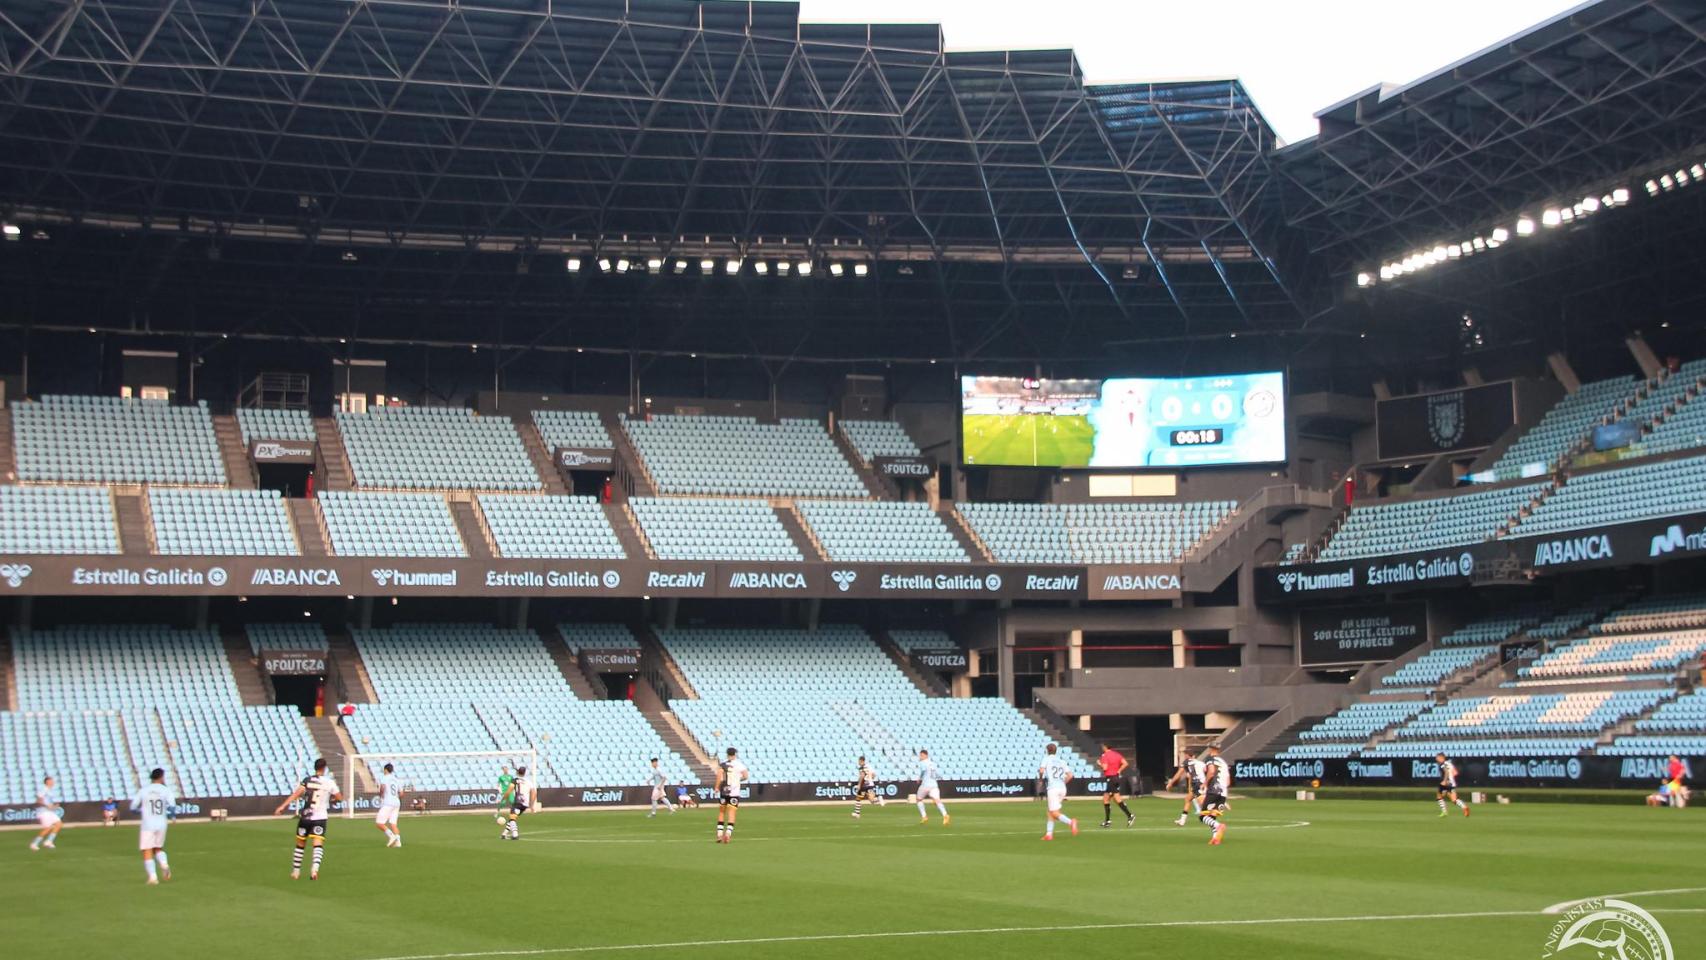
x: 154, y: 801
x: 318, y: 792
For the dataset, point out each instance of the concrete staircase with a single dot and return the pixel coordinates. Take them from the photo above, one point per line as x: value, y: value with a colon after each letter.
x: 311, y: 536
x: 8, y: 676
x: 673, y: 734
x: 653, y: 653
x: 8, y: 455
x: 135, y: 535
x: 804, y: 540
x: 585, y: 686
x: 351, y: 671
x: 335, y: 470
x: 927, y: 684
x: 541, y: 457
x: 880, y: 488
x: 475, y: 537
x: 1061, y: 730
x: 333, y: 742
x: 632, y: 469
x: 627, y: 531
x: 252, y: 685
x: 239, y: 471
x: 968, y: 540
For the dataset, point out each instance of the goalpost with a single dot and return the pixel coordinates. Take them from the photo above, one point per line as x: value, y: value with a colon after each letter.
x: 528, y: 758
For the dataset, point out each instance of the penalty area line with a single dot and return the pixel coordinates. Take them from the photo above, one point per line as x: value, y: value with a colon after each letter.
x: 965, y: 932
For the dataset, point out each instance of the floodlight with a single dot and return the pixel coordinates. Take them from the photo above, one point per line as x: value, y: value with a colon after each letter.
x: 574, y: 264
x: 655, y: 264
x: 1364, y: 279
x: 622, y: 265
x: 1620, y: 196
x: 1501, y: 234
x: 835, y: 269
x: 860, y: 269
x: 1386, y: 272
x: 760, y: 267
x: 805, y: 268
x: 707, y: 266
x: 1524, y: 227
x: 603, y: 264
x: 731, y: 266
x: 11, y: 230
x: 1551, y: 218
x: 681, y: 266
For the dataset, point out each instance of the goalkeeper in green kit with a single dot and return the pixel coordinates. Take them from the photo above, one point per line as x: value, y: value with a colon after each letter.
x: 506, y: 792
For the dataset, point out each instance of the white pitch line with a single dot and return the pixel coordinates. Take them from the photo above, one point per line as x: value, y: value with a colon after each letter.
x: 950, y: 832
x: 903, y: 934
x: 1564, y: 906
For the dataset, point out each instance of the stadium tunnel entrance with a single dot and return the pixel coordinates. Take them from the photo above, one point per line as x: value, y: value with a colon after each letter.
x: 305, y: 693
x: 289, y: 479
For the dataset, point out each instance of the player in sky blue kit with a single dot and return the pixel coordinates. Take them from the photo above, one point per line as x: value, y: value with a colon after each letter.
x: 154, y: 801
x: 928, y: 789
x: 1056, y: 775
x: 47, y: 816
x: 390, y: 805
x: 659, y: 784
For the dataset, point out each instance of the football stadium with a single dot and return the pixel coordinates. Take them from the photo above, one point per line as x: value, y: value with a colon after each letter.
x: 458, y: 458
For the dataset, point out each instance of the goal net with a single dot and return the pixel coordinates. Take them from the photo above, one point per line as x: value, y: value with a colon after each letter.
x: 456, y: 771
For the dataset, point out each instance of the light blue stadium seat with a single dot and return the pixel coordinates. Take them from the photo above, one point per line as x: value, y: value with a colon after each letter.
x: 435, y: 448
x: 57, y: 520
x: 550, y: 526
x: 114, y: 440
x: 740, y: 457
x: 1145, y: 532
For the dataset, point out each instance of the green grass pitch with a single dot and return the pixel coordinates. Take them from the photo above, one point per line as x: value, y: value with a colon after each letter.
x: 1363, y: 879
x: 1028, y: 441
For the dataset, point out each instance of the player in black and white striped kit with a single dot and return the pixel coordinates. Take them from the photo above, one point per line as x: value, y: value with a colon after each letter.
x: 1217, y: 786
x: 1448, y: 785
x: 318, y: 792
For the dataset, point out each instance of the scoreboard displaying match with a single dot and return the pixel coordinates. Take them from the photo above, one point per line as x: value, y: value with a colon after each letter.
x: 1123, y: 422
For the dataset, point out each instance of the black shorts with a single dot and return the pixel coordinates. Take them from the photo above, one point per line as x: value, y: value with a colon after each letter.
x: 1446, y: 788
x: 310, y: 828
x: 865, y: 793
x: 517, y: 809
x: 1212, y: 801
x: 729, y: 799
x: 1114, y: 785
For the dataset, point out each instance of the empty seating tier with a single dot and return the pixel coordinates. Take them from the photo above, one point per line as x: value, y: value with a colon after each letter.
x: 286, y: 636
x: 1411, y: 525
x: 843, y: 697
x: 879, y: 438
x: 597, y: 636
x: 272, y: 423
x: 1619, y: 655
x: 866, y: 531
x: 113, y: 440
x: 571, y: 428
x: 1094, y: 532
x: 915, y: 641
x: 237, y: 751
x: 1621, y: 495
x: 390, y: 524
x: 1435, y: 665
x: 470, y: 687
x: 1567, y: 423
x: 104, y: 668
x: 550, y: 526
x: 436, y: 448
x: 221, y: 522
x: 57, y: 520
x: 692, y: 529
x: 738, y: 456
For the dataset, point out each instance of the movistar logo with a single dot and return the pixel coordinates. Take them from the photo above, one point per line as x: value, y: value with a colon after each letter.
x: 1675, y: 538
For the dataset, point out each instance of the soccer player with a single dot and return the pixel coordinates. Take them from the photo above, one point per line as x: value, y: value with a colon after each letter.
x: 659, y: 784
x: 523, y: 795
x: 865, y: 787
x: 1114, y: 765
x: 154, y: 801
x: 1217, y: 786
x: 928, y: 789
x: 731, y: 773
x: 1056, y: 774
x: 1448, y: 785
x: 1190, y: 773
x: 1675, y: 771
x: 318, y: 792
x: 390, y: 805
x: 506, y: 785
x: 47, y: 815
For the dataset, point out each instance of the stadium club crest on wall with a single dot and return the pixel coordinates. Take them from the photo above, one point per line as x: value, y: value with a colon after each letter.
x: 1445, y: 419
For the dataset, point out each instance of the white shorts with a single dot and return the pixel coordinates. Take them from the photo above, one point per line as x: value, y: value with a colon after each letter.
x: 658, y: 795
x: 929, y: 793
x: 386, y: 815
x: 1055, y: 796
x: 152, y: 840
x: 47, y: 818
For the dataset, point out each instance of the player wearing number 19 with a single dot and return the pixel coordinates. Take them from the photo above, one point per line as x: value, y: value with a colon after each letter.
x: 317, y: 792
x: 154, y: 802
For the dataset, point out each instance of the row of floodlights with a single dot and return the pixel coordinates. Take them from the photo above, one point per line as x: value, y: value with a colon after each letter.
x: 1682, y: 177
x: 708, y: 266
x: 1525, y: 226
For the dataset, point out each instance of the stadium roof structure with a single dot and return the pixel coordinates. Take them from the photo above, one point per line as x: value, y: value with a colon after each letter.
x: 425, y: 171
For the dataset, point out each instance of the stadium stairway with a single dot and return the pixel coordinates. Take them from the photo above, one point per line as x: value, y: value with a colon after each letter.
x: 311, y: 536
x: 627, y: 532
x: 926, y: 684
x: 333, y: 742
x: 475, y: 537
x: 239, y: 471
x: 541, y: 457
x: 8, y: 676
x: 673, y: 734
x: 8, y: 456
x: 633, y: 468
x: 336, y: 473
x: 880, y: 487
x: 804, y: 540
x: 130, y: 510
x: 245, y: 668
x: 967, y: 539
x: 346, y: 663
x: 586, y: 687
x: 652, y: 652
x: 1060, y: 729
